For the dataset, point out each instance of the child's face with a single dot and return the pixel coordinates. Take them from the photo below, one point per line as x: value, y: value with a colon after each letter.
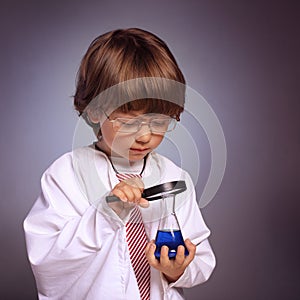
x: 131, y: 145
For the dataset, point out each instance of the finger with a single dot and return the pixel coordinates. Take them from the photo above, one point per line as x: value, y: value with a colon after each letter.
x: 135, y: 182
x: 137, y: 195
x: 180, y: 258
x: 149, y: 251
x: 133, y: 194
x: 191, y: 248
x: 150, y: 248
x: 129, y: 193
x: 120, y: 194
x: 164, y: 257
x: 118, y: 191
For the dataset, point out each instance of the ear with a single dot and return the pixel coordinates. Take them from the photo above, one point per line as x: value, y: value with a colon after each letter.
x: 93, y: 117
x: 94, y: 121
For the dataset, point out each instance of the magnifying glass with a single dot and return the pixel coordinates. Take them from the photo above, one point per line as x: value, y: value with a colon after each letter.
x: 157, y: 192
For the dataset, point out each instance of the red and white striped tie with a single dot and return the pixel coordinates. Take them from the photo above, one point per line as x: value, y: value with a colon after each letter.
x: 137, y: 239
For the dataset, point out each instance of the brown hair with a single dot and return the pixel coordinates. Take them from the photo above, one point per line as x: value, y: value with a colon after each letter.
x: 122, y: 55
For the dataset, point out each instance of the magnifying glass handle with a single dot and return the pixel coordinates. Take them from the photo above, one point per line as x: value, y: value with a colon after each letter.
x: 112, y: 198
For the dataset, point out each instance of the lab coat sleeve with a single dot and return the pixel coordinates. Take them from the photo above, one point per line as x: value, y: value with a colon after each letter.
x: 62, y: 231
x: 194, y: 228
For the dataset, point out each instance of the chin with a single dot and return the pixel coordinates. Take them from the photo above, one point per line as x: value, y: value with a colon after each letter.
x: 136, y: 157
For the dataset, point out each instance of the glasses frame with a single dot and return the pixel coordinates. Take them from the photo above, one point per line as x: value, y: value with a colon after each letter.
x: 141, y: 123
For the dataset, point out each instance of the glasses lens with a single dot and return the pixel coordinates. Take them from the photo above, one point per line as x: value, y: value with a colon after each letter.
x: 126, y: 125
x: 162, y: 125
x: 158, y: 125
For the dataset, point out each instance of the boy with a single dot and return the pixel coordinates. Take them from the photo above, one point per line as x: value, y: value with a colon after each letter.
x: 79, y: 245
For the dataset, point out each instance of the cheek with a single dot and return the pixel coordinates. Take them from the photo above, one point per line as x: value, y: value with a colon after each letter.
x: 122, y: 142
x: 118, y: 143
x: 107, y: 133
x: 156, y: 140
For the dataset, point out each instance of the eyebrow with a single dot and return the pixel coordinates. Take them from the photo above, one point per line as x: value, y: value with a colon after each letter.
x: 131, y: 114
x: 134, y: 114
x: 143, y: 116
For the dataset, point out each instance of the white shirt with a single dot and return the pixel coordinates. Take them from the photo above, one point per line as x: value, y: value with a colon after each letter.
x: 77, y: 245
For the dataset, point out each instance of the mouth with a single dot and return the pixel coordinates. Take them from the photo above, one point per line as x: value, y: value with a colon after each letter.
x: 139, y: 150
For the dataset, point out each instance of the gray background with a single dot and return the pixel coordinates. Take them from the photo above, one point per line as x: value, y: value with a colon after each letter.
x: 242, y: 56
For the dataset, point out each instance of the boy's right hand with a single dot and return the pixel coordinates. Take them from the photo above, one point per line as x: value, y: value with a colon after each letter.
x: 130, y: 191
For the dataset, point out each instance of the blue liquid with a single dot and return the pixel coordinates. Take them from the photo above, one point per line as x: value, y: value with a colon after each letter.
x: 169, y: 238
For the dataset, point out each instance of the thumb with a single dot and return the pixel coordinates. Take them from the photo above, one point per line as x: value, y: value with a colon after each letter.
x: 144, y: 203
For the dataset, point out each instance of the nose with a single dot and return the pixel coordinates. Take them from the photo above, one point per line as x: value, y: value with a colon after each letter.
x: 144, y: 134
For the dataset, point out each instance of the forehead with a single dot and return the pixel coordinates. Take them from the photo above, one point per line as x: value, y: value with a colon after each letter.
x: 141, y: 106
x: 134, y: 114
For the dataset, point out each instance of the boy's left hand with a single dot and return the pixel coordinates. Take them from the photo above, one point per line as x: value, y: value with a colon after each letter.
x: 171, y: 268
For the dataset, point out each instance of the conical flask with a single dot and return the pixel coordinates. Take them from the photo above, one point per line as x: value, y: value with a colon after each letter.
x: 169, y: 232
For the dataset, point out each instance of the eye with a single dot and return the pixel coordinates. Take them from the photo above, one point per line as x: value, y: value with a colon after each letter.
x: 160, y: 122
x: 128, y: 122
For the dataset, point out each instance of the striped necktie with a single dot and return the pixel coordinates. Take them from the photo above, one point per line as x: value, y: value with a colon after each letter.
x: 136, y: 240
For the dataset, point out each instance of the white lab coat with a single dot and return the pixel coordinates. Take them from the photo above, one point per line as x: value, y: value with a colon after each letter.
x: 77, y: 245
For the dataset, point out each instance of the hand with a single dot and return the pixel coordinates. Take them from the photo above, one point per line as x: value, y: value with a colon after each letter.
x: 130, y: 191
x: 171, y: 268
